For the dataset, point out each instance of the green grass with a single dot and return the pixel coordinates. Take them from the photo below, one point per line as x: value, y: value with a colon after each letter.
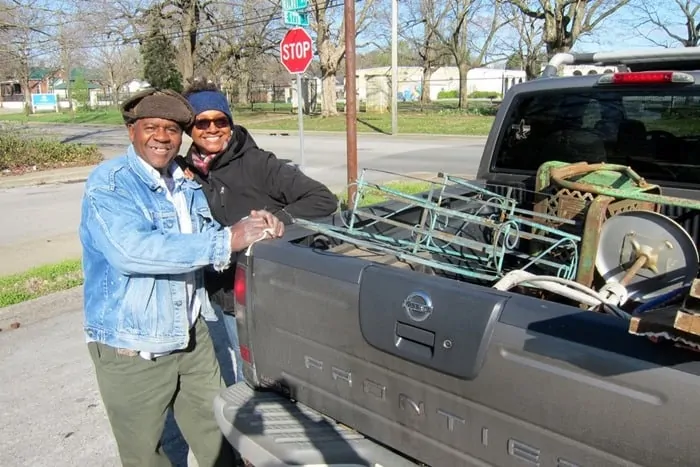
x: 372, y: 196
x: 109, y: 117
x: 450, y: 123
x: 40, y: 281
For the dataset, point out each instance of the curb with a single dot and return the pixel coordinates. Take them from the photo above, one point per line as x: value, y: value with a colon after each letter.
x: 75, y: 175
x: 40, y: 309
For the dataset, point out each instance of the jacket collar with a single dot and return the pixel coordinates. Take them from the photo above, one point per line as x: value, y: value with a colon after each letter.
x: 150, y: 177
x: 238, y: 146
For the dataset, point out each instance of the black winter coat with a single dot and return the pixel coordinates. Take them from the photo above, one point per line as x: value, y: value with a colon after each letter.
x: 245, y: 178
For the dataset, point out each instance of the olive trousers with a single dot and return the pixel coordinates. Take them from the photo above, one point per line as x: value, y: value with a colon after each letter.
x: 137, y: 394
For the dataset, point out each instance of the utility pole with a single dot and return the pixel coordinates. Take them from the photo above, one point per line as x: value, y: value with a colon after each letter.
x: 350, y: 99
x: 394, y: 67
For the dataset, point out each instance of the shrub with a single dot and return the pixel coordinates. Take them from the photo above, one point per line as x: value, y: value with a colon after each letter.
x: 484, y: 95
x: 454, y: 94
x: 19, y: 153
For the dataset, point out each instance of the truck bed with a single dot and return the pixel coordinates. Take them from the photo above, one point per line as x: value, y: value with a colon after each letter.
x: 496, y: 378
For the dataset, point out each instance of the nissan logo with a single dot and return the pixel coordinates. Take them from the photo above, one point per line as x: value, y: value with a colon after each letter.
x: 419, y: 306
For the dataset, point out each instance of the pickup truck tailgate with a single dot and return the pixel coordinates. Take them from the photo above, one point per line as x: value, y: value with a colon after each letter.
x: 454, y: 374
x: 274, y: 431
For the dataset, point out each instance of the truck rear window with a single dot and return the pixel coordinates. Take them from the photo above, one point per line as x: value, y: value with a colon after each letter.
x: 656, y: 132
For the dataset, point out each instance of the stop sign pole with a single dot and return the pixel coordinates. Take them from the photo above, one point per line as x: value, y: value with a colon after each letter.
x: 296, y: 52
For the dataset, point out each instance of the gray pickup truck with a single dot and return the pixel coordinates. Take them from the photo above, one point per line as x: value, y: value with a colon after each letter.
x: 361, y: 348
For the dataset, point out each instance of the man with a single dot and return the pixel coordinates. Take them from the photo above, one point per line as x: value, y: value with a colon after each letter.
x: 147, y: 233
x: 237, y: 176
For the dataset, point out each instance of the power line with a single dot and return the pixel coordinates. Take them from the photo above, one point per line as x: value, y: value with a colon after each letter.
x: 212, y: 28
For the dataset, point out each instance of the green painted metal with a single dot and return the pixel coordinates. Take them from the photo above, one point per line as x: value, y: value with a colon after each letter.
x: 507, y: 224
x: 616, y: 181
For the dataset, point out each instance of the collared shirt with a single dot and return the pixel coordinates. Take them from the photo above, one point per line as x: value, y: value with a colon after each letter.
x: 171, y: 186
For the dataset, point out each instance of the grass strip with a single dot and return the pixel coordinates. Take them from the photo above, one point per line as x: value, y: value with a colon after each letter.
x: 446, y: 123
x: 373, y: 196
x: 40, y: 281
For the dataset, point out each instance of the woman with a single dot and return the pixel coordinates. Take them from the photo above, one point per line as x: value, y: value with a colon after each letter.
x: 237, y: 177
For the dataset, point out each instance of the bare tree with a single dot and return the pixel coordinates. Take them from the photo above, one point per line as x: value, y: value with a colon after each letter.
x: 238, y: 52
x: 185, y: 17
x: 24, y: 37
x: 117, y: 64
x: 678, y: 20
x: 329, y: 26
x: 423, y: 19
x: 526, y: 41
x: 468, y: 32
x: 116, y: 22
x: 71, y: 42
x: 565, y: 21
x: 8, y: 14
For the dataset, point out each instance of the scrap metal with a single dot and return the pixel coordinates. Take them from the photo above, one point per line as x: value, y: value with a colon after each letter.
x: 506, y: 225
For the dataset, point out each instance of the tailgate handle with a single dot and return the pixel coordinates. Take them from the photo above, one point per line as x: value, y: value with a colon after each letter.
x: 414, y: 340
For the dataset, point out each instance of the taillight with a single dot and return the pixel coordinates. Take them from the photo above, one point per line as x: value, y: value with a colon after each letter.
x: 240, y: 285
x: 647, y: 77
x: 245, y: 354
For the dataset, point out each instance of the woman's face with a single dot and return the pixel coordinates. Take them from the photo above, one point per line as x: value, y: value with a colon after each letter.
x: 211, y: 132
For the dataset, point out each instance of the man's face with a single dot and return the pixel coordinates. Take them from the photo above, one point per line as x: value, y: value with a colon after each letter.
x: 211, y: 132
x: 156, y: 140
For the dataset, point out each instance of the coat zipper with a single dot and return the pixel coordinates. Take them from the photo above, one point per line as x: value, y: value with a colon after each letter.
x: 221, y: 196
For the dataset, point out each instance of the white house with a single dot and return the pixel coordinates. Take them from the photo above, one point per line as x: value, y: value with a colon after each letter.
x: 374, y: 84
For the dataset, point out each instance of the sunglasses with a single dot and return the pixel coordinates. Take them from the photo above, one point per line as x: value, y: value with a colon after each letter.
x: 205, y: 123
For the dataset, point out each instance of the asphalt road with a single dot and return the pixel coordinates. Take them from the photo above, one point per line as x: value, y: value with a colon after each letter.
x: 40, y: 223
x: 50, y: 407
x: 322, y: 151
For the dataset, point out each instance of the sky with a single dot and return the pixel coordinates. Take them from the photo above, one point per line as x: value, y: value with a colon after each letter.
x: 624, y: 30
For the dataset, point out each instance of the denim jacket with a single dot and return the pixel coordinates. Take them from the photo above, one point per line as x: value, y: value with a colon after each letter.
x: 135, y: 259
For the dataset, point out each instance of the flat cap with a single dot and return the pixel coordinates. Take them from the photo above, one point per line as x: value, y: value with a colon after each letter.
x: 158, y: 103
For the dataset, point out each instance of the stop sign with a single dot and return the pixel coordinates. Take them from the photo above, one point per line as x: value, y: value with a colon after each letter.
x: 296, y: 50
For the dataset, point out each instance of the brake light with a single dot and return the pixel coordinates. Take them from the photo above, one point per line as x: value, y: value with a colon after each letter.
x: 240, y: 285
x: 245, y: 354
x: 647, y: 77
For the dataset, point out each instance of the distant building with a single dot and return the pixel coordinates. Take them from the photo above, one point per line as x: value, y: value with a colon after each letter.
x: 580, y: 70
x: 374, y: 84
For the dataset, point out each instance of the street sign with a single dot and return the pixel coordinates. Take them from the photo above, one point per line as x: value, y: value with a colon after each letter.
x: 296, y: 50
x: 295, y: 18
x: 292, y: 5
x: 296, y: 53
x: 44, y: 102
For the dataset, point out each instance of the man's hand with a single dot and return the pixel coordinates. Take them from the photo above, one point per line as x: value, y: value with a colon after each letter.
x: 259, y: 225
x: 246, y: 231
x: 275, y: 225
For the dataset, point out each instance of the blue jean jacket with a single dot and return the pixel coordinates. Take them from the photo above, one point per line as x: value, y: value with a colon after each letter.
x: 135, y: 258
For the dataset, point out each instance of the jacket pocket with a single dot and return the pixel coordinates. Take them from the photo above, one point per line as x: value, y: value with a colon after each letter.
x: 164, y: 221
x: 141, y: 310
x: 204, y: 219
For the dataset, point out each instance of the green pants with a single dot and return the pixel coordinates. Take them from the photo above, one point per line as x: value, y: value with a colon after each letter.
x: 137, y: 394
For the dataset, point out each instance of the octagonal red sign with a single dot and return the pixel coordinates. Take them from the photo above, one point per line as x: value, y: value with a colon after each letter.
x: 296, y: 50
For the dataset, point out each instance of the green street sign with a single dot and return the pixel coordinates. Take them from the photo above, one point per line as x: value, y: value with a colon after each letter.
x: 292, y: 5
x: 294, y: 18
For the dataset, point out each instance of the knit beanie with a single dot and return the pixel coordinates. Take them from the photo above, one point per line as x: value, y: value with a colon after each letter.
x: 203, y: 101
